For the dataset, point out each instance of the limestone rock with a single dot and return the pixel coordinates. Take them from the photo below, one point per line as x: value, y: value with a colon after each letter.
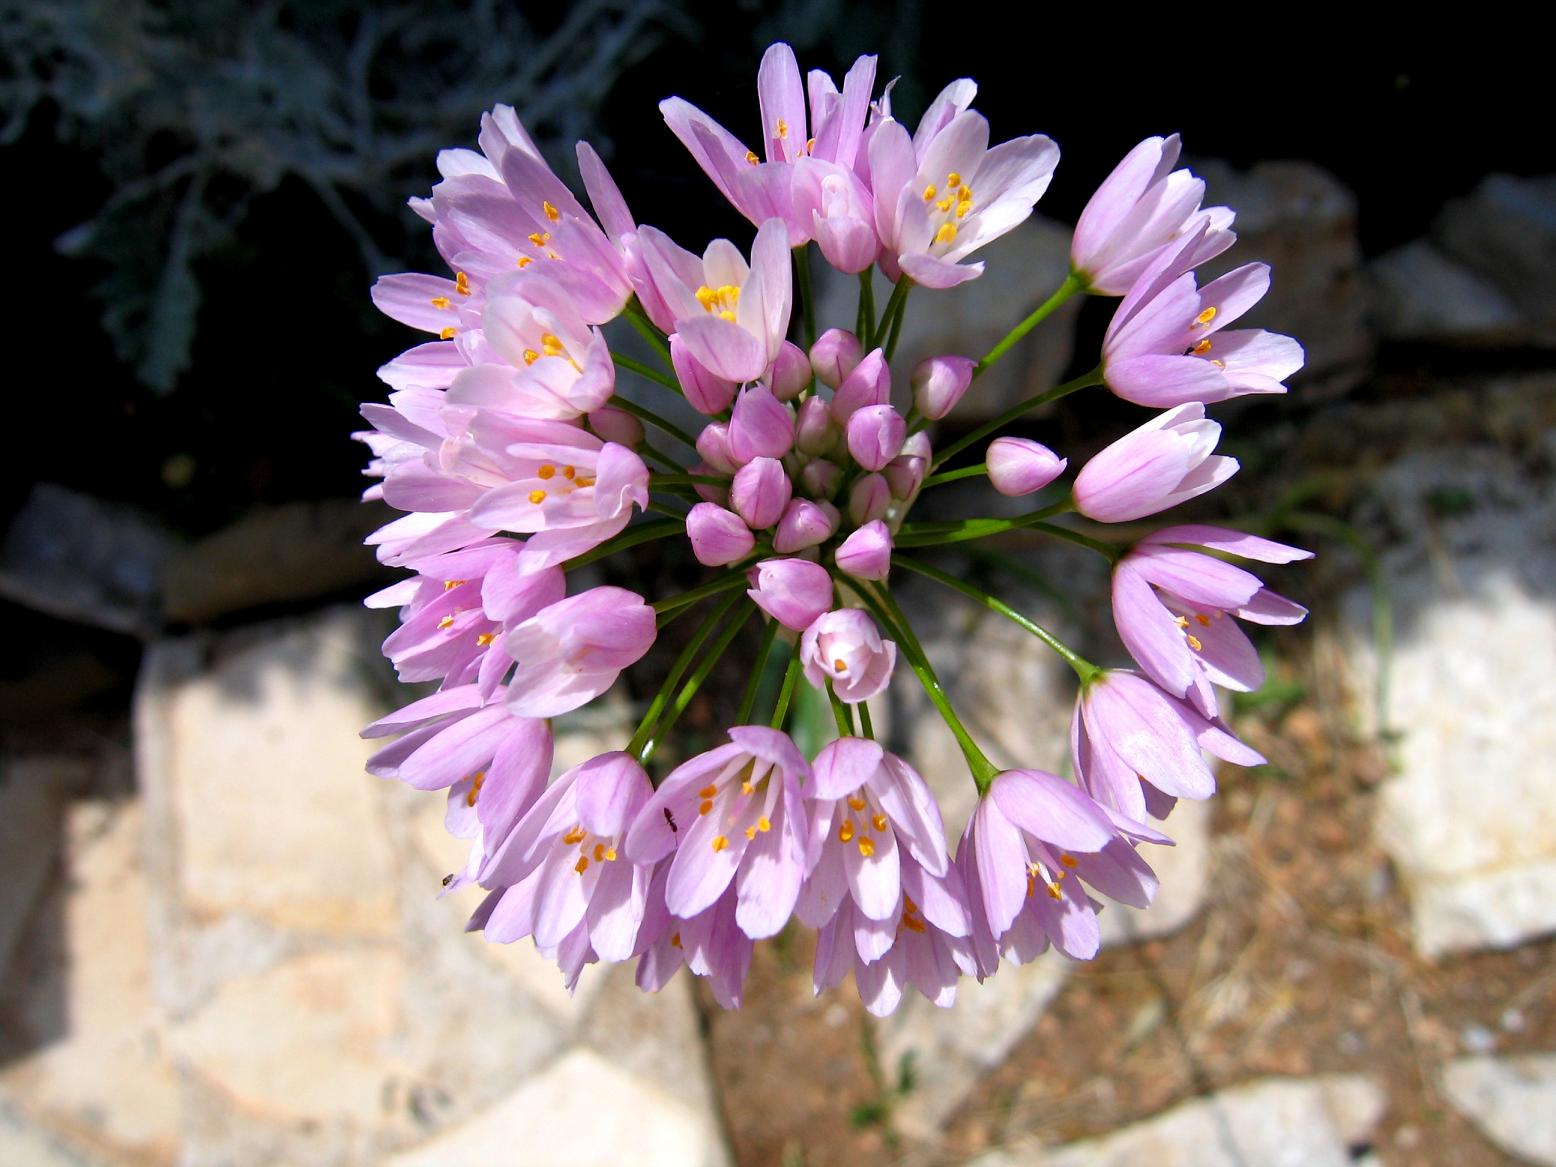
x: 1505, y: 231
x: 1511, y: 1100
x: 1424, y: 296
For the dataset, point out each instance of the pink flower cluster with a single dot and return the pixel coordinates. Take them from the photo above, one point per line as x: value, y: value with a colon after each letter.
x: 517, y: 465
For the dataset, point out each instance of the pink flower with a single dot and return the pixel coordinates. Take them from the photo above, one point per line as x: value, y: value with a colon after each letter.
x: 733, y: 815
x: 790, y: 374
x: 792, y: 591
x: 874, y: 435
x: 1143, y: 207
x: 761, y: 426
x: 866, y: 553
x: 939, y: 383
x: 867, y: 383
x: 1020, y: 466
x: 718, y: 537
x: 1171, y: 603
x: 834, y: 356
x: 805, y: 524
x: 760, y: 491
x: 573, y: 650
x: 710, y: 944
x: 844, y: 647
x: 1164, y: 462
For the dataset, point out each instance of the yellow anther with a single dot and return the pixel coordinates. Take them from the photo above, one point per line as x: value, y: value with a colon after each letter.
x: 879, y: 820
x: 1067, y: 860
x: 450, y: 584
x: 1202, y: 620
x: 764, y: 824
x: 945, y: 204
x: 475, y: 787
x: 708, y: 791
x: 946, y: 233
x: 1201, y: 348
x: 751, y: 157
x: 442, y: 303
x: 845, y: 833
x: 485, y: 638
x: 599, y: 852
x: 720, y: 842
x: 810, y: 145
x: 1054, y: 893
x: 675, y: 940
x: 530, y: 356
x: 448, y: 333
x: 551, y: 212
x: 582, y: 481
x: 705, y: 295
x: 747, y: 789
x: 461, y: 283
x: 569, y: 471
x: 912, y: 923
x: 1206, y: 316
x: 840, y: 665
x: 929, y: 194
x: 546, y: 471
x: 540, y: 238
x: 953, y: 180
x: 1194, y: 643
x: 729, y: 292
x: 1182, y: 621
x: 445, y: 622
x: 751, y: 832
x: 610, y: 854
x: 525, y: 260
x: 781, y: 129
x: 1218, y: 362
x: 537, y: 497
x: 866, y: 846
x: 574, y: 836
x: 706, y: 807
x: 582, y: 865
x: 551, y: 344
x: 856, y: 803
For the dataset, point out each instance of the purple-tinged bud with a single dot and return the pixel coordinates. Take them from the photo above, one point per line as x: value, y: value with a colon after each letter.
x: 805, y: 524
x: 939, y: 383
x: 815, y: 432
x: 834, y: 355
x: 868, y: 384
x: 875, y: 435
x: 792, y: 591
x: 719, y: 537
x: 616, y: 425
x: 790, y: 372
x: 905, y: 474
x: 821, y: 478
x: 707, y: 393
x: 1019, y: 466
x: 868, y: 499
x: 760, y: 491
x: 1164, y: 462
x: 718, y: 495
x: 866, y: 554
x: 917, y: 446
x: 713, y: 445
x: 761, y: 426
x: 846, y: 648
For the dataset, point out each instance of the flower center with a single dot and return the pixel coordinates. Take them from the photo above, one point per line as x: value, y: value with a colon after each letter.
x: 719, y: 301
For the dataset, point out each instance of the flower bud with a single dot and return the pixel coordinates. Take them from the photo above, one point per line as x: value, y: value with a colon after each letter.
x: 760, y: 491
x: 713, y: 445
x: 718, y: 537
x: 868, y: 384
x: 790, y: 372
x: 1164, y: 462
x: 815, y: 432
x: 940, y: 382
x: 718, y: 495
x: 845, y: 647
x: 1019, y: 466
x: 792, y: 591
x: 761, y: 426
x: 834, y: 356
x: 707, y: 393
x: 616, y: 425
x: 821, y: 478
x: 875, y: 435
x: 868, y: 499
x: 805, y: 524
x: 905, y: 474
x: 917, y: 446
x: 866, y: 554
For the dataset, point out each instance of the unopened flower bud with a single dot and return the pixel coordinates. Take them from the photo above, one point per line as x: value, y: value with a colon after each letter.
x: 815, y: 432
x: 792, y: 591
x: 866, y: 554
x: 707, y: 393
x: 820, y: 478
x: 845, y: 647
x: 905, y: 474
x: 868, y: 499
x: 718, y: 537
x: 805, y: 524
x: 718, y: 495
x: 760, y: 491
x: 868, y: 384
x: 1164, y: 462
x: 616, y: 425
x: 875, y: 435
x: 939, y: 383
x: 1019, y: 466
x: 834, y: 356
x: 713, y: 445
x: 790, y: 372
x: 761, y: 426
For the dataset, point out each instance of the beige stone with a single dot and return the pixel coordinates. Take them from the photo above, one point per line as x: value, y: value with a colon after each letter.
x: 1512, y: 1101
x: 257, y: 760
x: 304, y: 1040
x: 582, y: 1111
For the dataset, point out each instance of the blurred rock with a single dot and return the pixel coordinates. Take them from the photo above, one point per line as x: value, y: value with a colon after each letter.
x: 1425, y: 297
x: 1505, y: 231
x: 27, y: 1145
x: 1299, y: 219
x: 1023, y: 269
x: 1468, y: 819
x: 1292, y: 1122
x: 33, y: 791
x: 85, y: 560
x: 1511, y: 1100
x: 274, y: 555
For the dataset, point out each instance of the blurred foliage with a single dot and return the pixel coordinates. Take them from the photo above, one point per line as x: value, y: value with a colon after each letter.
x: 193, y: 109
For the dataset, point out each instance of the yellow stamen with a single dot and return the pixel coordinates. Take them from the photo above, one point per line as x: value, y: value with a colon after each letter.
x: 1067, y: 860
x: 576, y: 835
x: 442, y: 303
x: 526, y: 260
x: 1206, y: 316
x: 706, y: 807
x: 1054, y: 893
x: 546, y: 471
x: 1181, y: 621
x: 866, y: 846
x: 720, y: 842
x: 1201, y: 348
x: 475, y: 787
x: 945, y: 204
x: 540, y: 238
x: 551, y: 344
x: 1218, y: 362
x: 582, y: 482
x: 461, y: 283
x: 445, y: 622
x: 953, y: 180
x: 599, y: 852
x: 856, y: 803
x: 781, y: 129
x: 448, y: 333
x: 582, y: 865
x: 675, y: 940
x: 1194, y: 642
x: 1202, y: 620
x: 764, y: 824
x: 610, y: 854
x: 751, y: 157
x: 946, y: 233
x: 747, y: 789
x: 569, y: 471
x: 450, y: 584
x: 485, y: 638
x: 810, y: 145
x: 912, y: 923
x: 879, y: 820
x: 708, y: 791
x: 551, y: 212
x: 530, y: 356
x: 845, y: 833
x: 537, y: 497
x: 840, y: 665
x: 929, y: 194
